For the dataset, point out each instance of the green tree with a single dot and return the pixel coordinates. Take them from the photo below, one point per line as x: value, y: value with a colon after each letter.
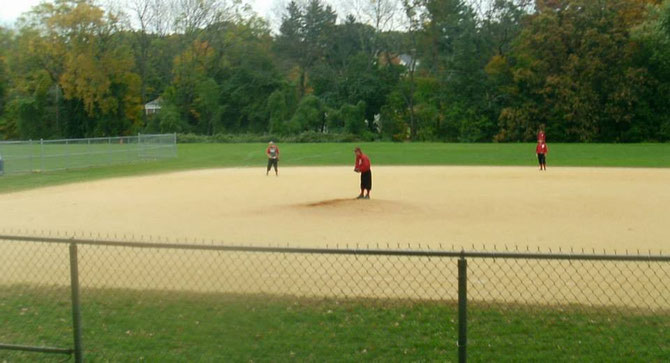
x: 654, y: 54
x: 6, y: 36
x: 170, y: 120
x: 393, y: 115
x: 248, y: 76
x: 413, y: 10
x: 206, y: 105
x: 232, y: 60
x: 191, y: 67
x: 573, y: 71
x: 75, y: 42
x: 455, y: 52
x: 281, y: 105
x: 305, y: 37
x: 350, y: 73
x: 354, y: 118
x: 309, y: 116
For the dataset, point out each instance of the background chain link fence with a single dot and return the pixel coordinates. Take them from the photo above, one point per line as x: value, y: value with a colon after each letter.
x: 48, y: 155
x: 176, y: 302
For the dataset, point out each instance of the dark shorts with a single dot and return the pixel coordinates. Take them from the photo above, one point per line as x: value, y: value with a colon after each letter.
x: 366, y: 180
x: 541, y: 158
x: 272, y: 162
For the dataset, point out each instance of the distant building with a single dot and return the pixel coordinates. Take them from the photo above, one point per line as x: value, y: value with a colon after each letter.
x: 152, y: 107
x: 404, y: 60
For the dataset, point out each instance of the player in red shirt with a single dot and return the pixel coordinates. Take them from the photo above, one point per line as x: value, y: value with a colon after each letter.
x: 273, y: 157
x: 362, y: 165
x: 542, y: 150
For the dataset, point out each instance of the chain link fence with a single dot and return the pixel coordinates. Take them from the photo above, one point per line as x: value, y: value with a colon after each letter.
x: 174, y: 301
x: 49, y: 155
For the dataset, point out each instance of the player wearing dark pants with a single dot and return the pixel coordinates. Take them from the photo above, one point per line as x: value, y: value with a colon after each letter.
x: 362, y: 165
x: 272, y: 163
x: 273, y: 157
x: 542, y: 150
x: 366, y: 182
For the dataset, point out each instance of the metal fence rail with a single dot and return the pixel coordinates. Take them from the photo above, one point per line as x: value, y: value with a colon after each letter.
x: 477, y: 281
x: 50, y: 155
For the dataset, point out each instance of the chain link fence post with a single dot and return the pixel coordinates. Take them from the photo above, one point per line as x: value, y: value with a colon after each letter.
x: 174, y: 144
x: 41, y: 155
x: 76, y: 308
x: 462, y: 309
x: 32, y: 157
x: 67, y: 153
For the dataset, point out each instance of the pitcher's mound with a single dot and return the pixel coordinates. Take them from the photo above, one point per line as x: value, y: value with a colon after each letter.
x: 334, y: 202
x: 343, y: 206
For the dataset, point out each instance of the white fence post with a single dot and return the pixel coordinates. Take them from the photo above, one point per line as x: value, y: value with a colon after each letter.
x: 67, y: 155
x: 41, y: 154
x: 32, y: 158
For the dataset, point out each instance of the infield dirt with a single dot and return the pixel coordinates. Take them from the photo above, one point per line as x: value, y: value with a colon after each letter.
x: 589, y: 208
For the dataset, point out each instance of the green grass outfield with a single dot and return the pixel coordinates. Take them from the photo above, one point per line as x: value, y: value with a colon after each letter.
x: 123, y: 326
x: 197, y: 156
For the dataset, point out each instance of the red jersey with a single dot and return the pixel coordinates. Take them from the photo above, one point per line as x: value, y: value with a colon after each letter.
x: 541, y: 137
x: 272, y: 152
x: 541, y: 148
x: 362, y: 163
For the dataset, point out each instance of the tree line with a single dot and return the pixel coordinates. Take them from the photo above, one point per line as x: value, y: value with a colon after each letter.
x: 424, y: 70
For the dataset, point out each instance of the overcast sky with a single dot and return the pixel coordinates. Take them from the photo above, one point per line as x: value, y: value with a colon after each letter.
x: 10, y: 10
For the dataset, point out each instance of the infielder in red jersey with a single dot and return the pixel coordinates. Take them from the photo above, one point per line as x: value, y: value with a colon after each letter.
x: 542, y: 150
x: 362, y: 165
x: 273, y: 157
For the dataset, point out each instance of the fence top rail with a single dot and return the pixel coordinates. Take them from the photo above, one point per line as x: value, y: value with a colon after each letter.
x: 357, y: 251
x: 9, y: 142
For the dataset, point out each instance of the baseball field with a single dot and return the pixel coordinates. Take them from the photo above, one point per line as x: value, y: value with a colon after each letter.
x: 601, y: 198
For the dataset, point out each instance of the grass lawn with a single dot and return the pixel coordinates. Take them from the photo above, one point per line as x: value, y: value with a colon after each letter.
x: 183, y: 327
x: 197, y: 156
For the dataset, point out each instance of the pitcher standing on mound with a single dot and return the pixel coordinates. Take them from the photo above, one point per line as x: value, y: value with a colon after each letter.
x: 362, y: 166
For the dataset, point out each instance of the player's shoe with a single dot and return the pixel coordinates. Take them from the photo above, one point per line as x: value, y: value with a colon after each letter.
x: 366, y: 197
x: 360, y: 197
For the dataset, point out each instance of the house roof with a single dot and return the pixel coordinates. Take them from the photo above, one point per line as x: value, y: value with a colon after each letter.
x: 154, y: 104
